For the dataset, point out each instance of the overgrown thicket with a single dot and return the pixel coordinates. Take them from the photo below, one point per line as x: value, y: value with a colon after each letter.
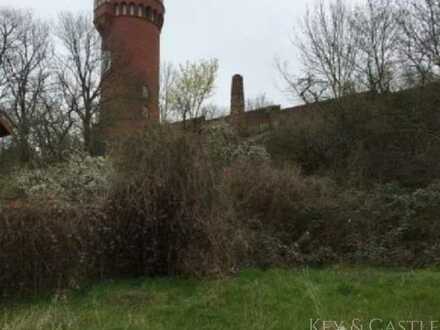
x: 173, y: 203
x: 163, y: 213
x: 295, y: 221
x: 170, y: 213
x: 366, y: 139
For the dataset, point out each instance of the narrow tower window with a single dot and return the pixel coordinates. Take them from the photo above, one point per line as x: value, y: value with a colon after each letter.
x: 148, y: 13
x: 117, y: 10
x: 132, y: 9
x: 124, y: 9
x: 141, y: 10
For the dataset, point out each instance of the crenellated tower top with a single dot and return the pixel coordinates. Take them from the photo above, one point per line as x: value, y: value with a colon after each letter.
x: 151, y: 10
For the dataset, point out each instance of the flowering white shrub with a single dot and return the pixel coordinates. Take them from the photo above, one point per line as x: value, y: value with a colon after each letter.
x: 80, y: 179
x: 250, y: 151
x: 225, y: 145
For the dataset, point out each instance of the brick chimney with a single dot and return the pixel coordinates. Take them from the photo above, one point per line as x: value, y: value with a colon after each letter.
x: 237, y: 95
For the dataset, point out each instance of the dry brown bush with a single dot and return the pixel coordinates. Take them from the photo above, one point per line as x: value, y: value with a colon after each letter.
x: 46, y: 247
x: 169, y: 201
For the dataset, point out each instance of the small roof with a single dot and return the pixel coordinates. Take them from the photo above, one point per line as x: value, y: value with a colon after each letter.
x: 5, y: 128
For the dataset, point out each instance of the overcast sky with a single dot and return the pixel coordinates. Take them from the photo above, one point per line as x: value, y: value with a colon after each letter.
x: 245, y: 35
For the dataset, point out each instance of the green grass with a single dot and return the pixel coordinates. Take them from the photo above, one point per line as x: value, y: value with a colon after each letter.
x: 274, y: 299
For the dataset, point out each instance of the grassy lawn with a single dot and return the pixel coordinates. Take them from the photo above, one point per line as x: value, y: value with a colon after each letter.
x: 274, y: 299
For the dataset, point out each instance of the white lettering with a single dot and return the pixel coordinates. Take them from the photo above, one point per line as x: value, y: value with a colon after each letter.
x: 357, y: 325
x: 413, y: 324
x: 329, y: 325
x: 390, y: 326
x: 314, y: 324
x: 372, y: 322
x: 402, y: 325
x: 340, y: 326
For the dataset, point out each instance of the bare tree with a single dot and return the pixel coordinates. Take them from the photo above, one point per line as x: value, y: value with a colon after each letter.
x: 168, y: 75
x: 194, y: 85
x: 211, y: 111
x: 377, y: 32
x: 420, y: 42
x: 25, y: 71
x: 55, y: 136
x: 346, y: 50
x: 9, y: 30
x: 79, y: 70
x: 328, y: 49
x: 258, y: 102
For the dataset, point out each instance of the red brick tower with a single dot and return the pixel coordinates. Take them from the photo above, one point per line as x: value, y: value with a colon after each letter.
x: 130, y: 32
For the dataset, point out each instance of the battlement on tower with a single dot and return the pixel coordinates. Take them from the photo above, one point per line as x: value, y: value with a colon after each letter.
x: 98, y: 3
x: 150, y: 10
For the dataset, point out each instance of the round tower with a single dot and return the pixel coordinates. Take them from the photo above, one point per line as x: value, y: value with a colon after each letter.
x: 130, y: 32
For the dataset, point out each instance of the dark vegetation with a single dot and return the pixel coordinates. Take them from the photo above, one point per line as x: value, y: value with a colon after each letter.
x: 354, y: 180
x: 366, y: 139
x: 210, y: 204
